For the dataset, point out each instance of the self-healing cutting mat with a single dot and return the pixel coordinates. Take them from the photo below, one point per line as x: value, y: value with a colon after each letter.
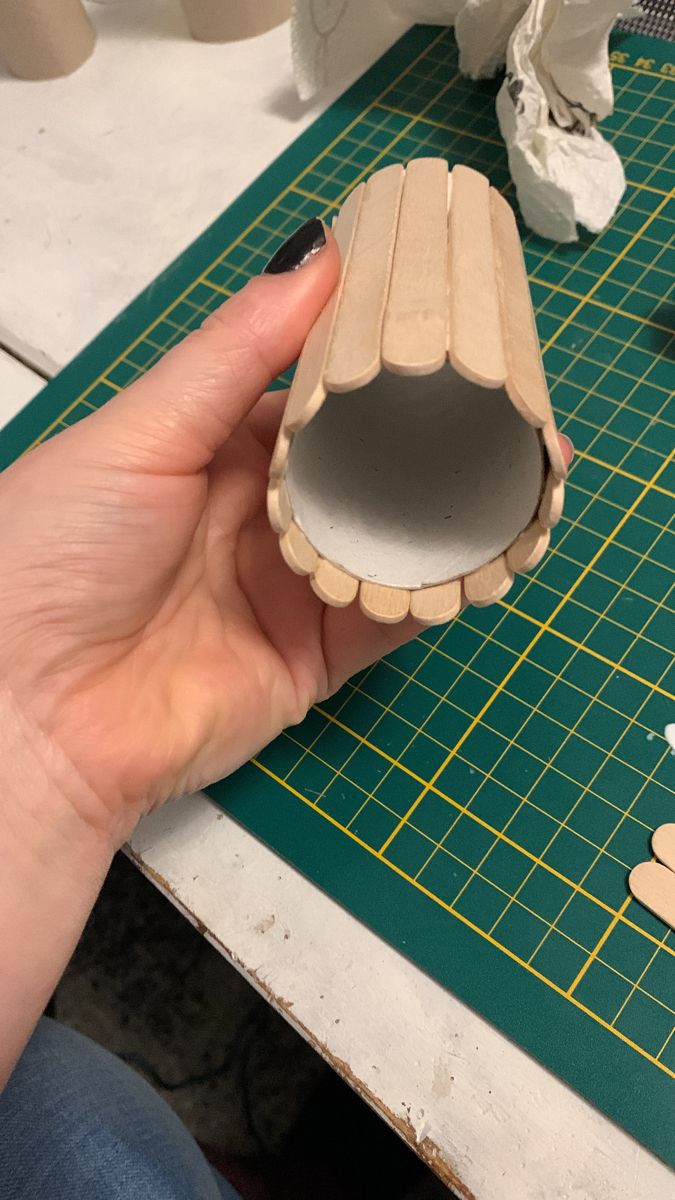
x: 479, y: 797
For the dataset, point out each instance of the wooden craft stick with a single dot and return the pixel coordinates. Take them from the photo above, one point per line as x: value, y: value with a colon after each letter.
x: 354, y: 356
x: 489, y: 583
x: 414, y: 336
x: 555, y: 455
x: 43, y: 39
x: 298, y: 553
x: 307, y: 390
x: 386, y: 604
x: 232, y: 20
x: 281, y: 452
x: 279, y: 506
x: 663, y: 845
x: 653, y: 885
x: 333, y: 585
x: 475, y: 344
x: 552, y: 502
x: 528, y: 549
x: 436, y: 605
x: 525, y: 382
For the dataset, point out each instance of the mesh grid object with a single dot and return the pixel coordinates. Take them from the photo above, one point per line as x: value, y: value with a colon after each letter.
x: 657, y: 20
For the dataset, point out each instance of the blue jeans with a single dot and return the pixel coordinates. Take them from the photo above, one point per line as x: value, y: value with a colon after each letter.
x: 78, y: 1124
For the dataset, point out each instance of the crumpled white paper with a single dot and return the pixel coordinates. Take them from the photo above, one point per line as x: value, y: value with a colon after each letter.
x: 557, y: 86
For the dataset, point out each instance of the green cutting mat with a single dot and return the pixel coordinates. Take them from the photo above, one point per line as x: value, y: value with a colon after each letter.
x: 479, y: 797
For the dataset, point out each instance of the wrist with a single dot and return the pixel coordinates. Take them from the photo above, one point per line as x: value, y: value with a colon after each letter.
x: 44, y: 802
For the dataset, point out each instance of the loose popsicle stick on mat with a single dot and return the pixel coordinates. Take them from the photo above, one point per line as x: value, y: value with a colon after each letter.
x: 518, y: 732
x: 663, y: 845
x: 653, y: 885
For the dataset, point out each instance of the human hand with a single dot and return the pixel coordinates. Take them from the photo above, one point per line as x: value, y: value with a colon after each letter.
x: 151, y: 636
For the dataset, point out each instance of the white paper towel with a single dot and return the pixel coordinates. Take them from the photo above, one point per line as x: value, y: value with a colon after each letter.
x: 557, y: 86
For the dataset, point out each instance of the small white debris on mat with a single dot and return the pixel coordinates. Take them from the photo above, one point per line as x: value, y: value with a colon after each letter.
x: 558, y: 86
x: 669, y: 735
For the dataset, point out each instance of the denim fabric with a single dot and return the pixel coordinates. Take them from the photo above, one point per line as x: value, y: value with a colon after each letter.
x: 76, y: 1123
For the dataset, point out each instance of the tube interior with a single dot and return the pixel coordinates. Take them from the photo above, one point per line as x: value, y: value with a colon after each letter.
x: 414, y: 481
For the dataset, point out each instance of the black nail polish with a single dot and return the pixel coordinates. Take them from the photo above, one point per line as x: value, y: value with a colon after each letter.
x: 300, y: 246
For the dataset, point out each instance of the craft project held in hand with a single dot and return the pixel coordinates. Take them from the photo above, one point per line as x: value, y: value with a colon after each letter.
x: 418, y: 463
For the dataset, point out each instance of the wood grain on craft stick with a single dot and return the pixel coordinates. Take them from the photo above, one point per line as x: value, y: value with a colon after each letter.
x: 414, y: 335
x: 298, y: 553
x: 663, y: 845
x: 528, y: 549
x: 333, y: 585
x: 475, y: 344
x: 282, y: 448
x: 488, y: 584
x: 525, y: 381
x: 385, y: 604
x: 436, y: 605
x: 354, y: 356
x: 279, y: 506
x: 555, y: 454
x: 653, y: 885
x: 307, y: 390
x: 552, y: 501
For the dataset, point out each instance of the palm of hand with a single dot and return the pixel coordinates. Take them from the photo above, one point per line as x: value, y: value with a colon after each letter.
x: 150, y: 623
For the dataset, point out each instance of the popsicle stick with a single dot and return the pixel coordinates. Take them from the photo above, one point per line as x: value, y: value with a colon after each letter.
x: 552, y: 501
x: 279, y: 508
x: 281, y: 451
x: 436, y: 605
x: 476, y: 346
x: 489, y: 583
x: 307, y: 390
x: 525, y: 381
x: 414, y: 335
x: 354, y: 355
x: 555, y: 455
x: 385, y: 604
x: 528, y: 549
x: 333, y: 585
x: 663, y: 845
x: 653, y: 885
x: 298, y: 553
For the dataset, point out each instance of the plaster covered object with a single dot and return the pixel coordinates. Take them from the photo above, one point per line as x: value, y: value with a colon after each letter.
x: 418, y: 461
x: 557, y: 88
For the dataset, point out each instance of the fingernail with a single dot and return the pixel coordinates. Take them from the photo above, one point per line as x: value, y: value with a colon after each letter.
x: 570, y: 447
x: 298, y: 249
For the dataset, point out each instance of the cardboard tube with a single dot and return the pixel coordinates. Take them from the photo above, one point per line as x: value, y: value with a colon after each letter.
x: 43, y: 39
x: 233, y: 20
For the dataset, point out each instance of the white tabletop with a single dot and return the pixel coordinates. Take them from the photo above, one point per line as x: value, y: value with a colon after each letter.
x: 106, y: 176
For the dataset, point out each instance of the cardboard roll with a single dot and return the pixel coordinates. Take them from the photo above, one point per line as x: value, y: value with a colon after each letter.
x: 418, y: 462
x: 233, y: 20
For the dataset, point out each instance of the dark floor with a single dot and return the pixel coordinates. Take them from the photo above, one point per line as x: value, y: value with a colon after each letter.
x: 146, y: 985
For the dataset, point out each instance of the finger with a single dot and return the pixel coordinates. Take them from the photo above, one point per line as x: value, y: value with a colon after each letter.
x: 265, y: 418
x: 567, y: 447
x: 175, y: 417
